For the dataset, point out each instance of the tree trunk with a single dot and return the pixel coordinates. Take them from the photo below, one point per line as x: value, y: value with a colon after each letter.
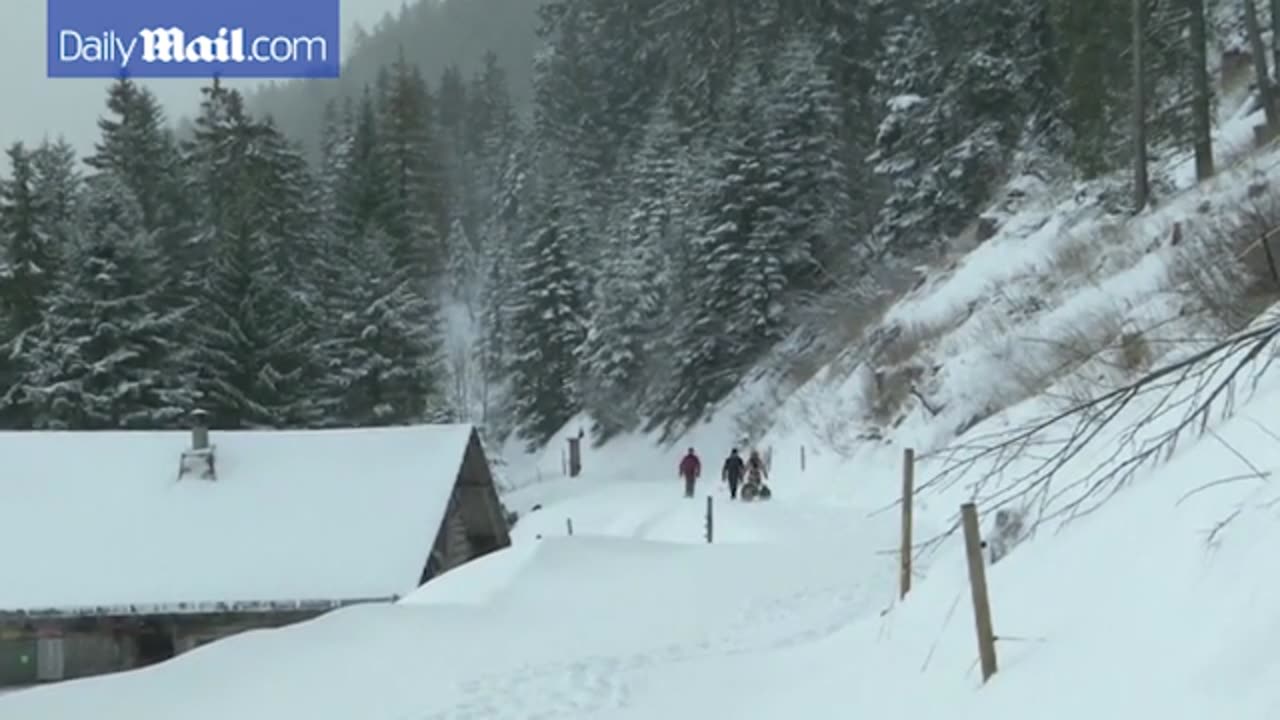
x: 1141, y: 183
x: 1200, y: 108
x: 1265, y: 92
x: 1275, y: 35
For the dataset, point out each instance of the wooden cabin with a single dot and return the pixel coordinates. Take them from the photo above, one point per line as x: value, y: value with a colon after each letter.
x: 122, y: 549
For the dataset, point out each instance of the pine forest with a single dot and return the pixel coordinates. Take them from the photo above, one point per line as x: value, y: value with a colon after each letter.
x: 692, y: 189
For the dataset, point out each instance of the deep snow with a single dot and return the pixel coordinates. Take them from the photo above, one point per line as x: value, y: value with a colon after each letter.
x: 1160, y: 604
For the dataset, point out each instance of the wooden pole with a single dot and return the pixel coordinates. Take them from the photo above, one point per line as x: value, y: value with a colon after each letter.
x: 908, y: 494
x: 978, y: 585
x: 575, y: 456
x: 568, y: 523
x: 710, y: 521
x: 801, y: 458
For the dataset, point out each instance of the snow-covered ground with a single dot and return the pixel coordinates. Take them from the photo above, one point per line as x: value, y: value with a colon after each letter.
x: 1159, y: 604
x: 791, y: 612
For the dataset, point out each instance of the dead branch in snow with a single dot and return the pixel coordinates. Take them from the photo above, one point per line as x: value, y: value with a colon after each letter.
x: 1027, y: 466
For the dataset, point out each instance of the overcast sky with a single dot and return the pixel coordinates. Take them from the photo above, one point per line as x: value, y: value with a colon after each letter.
x: 34, y: 106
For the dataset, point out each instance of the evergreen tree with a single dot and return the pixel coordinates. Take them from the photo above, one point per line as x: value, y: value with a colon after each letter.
x: 808, y: 208
x: 463, y: 263
x: 505, y: 225
x: 138, y: 148
x: 253, y: 327
x: 413, y: 212
x: 57, y: 182
x: 29, y: 257
x: 546, y: 331
x: 365, y: 189
x: 732, y: 282
x: 493, y: 135
x: 106, y: 355
x: 384, y: 361
x: 27, y: 262
x: 636, y: 295
x: 960, y: 82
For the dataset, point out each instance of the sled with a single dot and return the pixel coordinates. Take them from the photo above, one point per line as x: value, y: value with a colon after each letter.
x: 752, y: 492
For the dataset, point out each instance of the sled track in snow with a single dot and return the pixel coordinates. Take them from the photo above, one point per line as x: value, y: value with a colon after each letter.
x: 595, y: 684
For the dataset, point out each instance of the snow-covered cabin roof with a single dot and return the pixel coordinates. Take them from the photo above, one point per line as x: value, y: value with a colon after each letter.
x: 98, y: 522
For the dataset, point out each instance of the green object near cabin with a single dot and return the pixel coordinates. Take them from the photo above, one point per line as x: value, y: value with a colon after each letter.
x: 17, y: 662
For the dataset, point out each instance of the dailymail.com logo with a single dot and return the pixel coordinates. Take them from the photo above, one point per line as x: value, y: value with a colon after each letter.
x: 189, y: 38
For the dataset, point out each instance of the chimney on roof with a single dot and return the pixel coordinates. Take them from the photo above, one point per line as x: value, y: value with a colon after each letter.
x: 199, y: 430
x: 199, y: 459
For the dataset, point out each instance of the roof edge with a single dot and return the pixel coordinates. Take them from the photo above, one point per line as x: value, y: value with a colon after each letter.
x: 188, y: 608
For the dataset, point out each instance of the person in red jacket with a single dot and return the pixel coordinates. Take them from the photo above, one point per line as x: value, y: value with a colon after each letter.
x: 690, y: 470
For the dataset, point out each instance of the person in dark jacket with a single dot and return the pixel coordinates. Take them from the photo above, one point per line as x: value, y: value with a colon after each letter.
x: 690, y: 470
x: 732, y: 472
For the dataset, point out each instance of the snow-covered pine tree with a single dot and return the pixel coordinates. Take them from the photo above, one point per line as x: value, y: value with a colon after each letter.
x: 251, y: 326
x: 27, y: 260
x: 137, y: 147
x: 334, y: 149
x: 954, y: 76
x: 28, y: 256
x: 335, y: 228
x: 57, y: 182
x: 384, y: 361
x: 363, y: 196
x: 505, y: 226
x: 735, y: 277
x: 493, y: 136
x: 463, y: 275
x: 574, y: 135
x: 412, y: 213
x: 613, y: 356
x: 629, y: 312
x: 546, y: 330
x: 107, y: 354
x: 701, y: 42
x: 287, y: 213
x: 807, y: 212
x: 450, y: 122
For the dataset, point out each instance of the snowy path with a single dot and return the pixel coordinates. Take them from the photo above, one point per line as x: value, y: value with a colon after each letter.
x: 745, y: 615
x: 744, y: 596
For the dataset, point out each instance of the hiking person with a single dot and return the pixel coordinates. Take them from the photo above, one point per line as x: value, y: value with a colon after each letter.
x: 732, y: 472
x: 690, y: 470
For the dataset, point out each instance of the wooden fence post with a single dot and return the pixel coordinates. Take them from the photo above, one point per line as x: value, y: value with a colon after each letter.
x: 568, y: 523
x: 801, y: 458
x: 978, y: 585
x: 908, y: 501
x: 575, y: 456
x: 710, y: 520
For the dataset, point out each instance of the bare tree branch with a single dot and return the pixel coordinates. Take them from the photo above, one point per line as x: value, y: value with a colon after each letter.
x: 1182, y: 395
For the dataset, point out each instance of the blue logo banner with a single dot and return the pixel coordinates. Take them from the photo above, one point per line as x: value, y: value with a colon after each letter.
x: 194, y: 38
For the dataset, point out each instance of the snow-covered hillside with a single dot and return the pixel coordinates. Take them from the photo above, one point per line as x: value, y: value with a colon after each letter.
x: 1155, y: 603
